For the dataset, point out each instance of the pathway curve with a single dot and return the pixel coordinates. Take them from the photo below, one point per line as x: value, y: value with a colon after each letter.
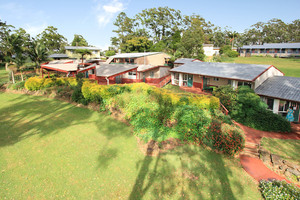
x: 251, y: 163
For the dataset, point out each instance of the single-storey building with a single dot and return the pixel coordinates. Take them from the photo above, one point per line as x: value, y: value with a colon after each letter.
x: 271, y: 49
x: 204, y: 74
x: 147, y: 58
x: 58, y: 56
x: 106, y: 74
x: 68, y: 67
x: 153, y: 67
x: 182, y: 61
x: 210, y: 50
x: 281, y: 92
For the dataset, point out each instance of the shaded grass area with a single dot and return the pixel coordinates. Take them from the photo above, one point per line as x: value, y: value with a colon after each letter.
x: 289, y: 66
x: 54, y: 150
x: 3, y: 75
x: 287, y: 149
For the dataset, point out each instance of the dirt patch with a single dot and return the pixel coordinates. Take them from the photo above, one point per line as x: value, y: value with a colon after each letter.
x: 153, y: 148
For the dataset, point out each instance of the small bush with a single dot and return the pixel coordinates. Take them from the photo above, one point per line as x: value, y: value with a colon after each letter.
x: 278, y: 190
x: 18, y: 86
x: 225, y: 138
x: 34, y: 83
x: 48, y: 83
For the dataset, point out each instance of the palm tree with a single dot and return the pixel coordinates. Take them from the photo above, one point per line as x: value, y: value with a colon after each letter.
x: 37, y: 52
x: 83, y: 52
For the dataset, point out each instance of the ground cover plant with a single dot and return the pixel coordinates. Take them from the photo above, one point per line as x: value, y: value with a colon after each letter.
x: 286, y: 149
x: 289, y: 66
x: 246, y: 107
x: 54, y: 150
x: 279, y: 190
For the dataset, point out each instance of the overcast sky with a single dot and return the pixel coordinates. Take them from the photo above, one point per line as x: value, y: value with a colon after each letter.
x: 94, y: 18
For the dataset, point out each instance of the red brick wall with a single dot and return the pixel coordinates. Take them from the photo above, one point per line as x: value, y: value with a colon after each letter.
x: 128, y: 80
x: 197, y: 85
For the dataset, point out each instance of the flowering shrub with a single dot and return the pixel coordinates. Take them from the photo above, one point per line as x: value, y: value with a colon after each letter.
x: 34, y: 83
x: 279, y: 190
x: 225, y: 138
x: 48, y: 82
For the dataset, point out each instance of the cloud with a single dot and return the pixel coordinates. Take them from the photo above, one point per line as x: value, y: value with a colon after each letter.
x: 106, y: 12
x: 34, y: 30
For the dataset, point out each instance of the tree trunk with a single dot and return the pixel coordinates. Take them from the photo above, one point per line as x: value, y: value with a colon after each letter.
x: 12, y: 76
x: 22, y: 75
x: 6, y: 66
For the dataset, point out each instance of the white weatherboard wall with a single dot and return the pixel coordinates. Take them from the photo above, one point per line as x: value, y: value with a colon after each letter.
x: 269, y: 73
x: 180, y: 79
x: 276, y: 106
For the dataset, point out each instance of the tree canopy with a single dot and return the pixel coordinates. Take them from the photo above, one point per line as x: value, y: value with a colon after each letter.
x: 79, y: 41
x: 52, y: 40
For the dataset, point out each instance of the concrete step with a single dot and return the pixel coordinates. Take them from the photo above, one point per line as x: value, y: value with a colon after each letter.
x: 254, y: 155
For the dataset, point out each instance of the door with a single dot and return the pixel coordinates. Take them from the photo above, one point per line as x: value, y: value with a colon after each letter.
x: 118, y: 79
x: 190, y: 80
x: 144, y: 77
x: 204, y: 82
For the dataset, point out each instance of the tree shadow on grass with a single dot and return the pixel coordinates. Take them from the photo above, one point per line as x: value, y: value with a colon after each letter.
x: 26, y: 116
x: 185, y: 173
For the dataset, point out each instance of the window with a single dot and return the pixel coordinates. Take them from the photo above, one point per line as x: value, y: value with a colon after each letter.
x: 271, y: 51
x: 132, y: 73
x: 281, y: 105
x: 151, y: 74
x: 270, y: 103
x: 216, y: 79
x: 127, y: 60
x: 131, y: 60
x: 229, y: 82
x: 247, y: 84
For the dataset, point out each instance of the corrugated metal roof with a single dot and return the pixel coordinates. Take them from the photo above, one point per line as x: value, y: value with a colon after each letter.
x: 281, y: 87
x: 108, y: 70
x: 134, y: 55
x: 58, y: 55
x: 145, y: 67
x: 76, y: 47
x: 186, y: 60
x: 65, y: 67
x: 273, y: 46
x: 246, y: 72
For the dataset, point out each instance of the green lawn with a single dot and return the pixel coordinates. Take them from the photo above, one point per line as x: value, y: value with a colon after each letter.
x: 289, y: 66
x: 3, y: 75
x: 287, y: 149
x: 54, y: 150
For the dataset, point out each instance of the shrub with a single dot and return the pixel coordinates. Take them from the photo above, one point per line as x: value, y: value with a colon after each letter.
x: 232, y: 54
x: 191, y: 122
x: 48, y: 83
x: 266, y: 120
x: 18, y: 86
x: 34, y: 83
x: 228, y: 139
x: 247, y: 108
x: 278, y: 190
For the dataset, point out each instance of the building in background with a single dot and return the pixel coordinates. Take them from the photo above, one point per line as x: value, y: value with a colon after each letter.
x: 271, y: 49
